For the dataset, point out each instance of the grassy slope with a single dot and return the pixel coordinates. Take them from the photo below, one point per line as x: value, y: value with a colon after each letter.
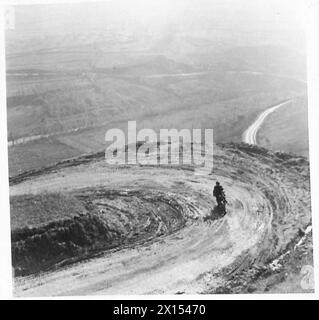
x: 227, y: 103
x: 38, y: 153
x: 34, y: 211
x: 287, y: 129
x: 98, y: 84
x: 49, y: 228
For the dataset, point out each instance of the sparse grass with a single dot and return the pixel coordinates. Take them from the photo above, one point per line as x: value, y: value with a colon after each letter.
x: 50, y: 228
x: 40, y: 248
x: 37, y: 154
x: 35, y: 210
x: 287, y: 129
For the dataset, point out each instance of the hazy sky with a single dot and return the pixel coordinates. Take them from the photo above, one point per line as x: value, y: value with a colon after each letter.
x: 258, y: 14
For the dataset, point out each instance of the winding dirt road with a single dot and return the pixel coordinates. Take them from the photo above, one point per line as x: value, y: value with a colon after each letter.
x: 264, y: 215
x: 250, y: 135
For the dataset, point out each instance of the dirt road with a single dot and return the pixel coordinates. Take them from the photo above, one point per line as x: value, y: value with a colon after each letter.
x: 264, y: 216
x: 250, y: 135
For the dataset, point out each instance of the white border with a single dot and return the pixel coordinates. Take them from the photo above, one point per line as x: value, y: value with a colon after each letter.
x: 311, y: 14
x: 5, y: 246
x: 312, y: 23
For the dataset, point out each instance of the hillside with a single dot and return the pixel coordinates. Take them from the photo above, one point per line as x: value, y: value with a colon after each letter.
x: 81, y: 226
x: 287, y: 129
x: 128, y: 222
x: 64, y: 93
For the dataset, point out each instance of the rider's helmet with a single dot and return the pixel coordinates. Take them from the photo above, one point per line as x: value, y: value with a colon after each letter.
x: 217, y: 183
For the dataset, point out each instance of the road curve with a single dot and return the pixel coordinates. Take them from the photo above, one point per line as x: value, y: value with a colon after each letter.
x: 264, y: 214
x: 262, y: 219
x: 250, y: 135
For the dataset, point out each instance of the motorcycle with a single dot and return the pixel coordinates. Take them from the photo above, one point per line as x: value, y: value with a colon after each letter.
x: 221, y: 202
x: 220, y: 210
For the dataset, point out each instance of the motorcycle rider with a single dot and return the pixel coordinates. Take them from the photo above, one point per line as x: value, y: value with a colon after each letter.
x: 219, y: 194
